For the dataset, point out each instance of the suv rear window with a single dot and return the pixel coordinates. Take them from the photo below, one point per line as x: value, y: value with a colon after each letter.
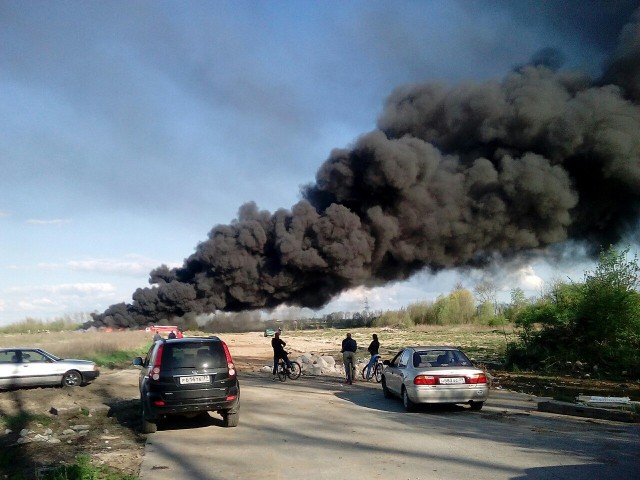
x: 194, y: 355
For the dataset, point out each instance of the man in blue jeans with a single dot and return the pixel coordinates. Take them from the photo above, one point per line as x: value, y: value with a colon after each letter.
x: 349, y: 347
x: 373, y: 349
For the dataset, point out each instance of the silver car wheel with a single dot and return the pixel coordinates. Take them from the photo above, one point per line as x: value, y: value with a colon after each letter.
x: 71, y: 379
x: 408, y: 404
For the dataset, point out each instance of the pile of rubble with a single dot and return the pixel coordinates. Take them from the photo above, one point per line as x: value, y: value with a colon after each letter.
x: 311, y: 364
x: 27, y: 436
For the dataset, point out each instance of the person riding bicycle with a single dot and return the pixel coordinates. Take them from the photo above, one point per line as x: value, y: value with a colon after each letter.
x: 279, y: 353
x: 373, y: 349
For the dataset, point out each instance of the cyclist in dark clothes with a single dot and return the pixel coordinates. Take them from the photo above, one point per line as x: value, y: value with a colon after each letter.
x: 279, y: 352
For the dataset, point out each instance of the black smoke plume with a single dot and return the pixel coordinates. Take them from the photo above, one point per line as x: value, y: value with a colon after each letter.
x: 452, y: 177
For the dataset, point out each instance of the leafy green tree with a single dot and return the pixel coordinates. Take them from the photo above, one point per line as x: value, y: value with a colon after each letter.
x: 487, y: 292
x: 457, y: 307
x: 609, y: 315
x: 597, y: 321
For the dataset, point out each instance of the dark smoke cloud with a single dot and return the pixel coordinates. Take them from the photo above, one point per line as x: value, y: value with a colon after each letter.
x: 451, y: 178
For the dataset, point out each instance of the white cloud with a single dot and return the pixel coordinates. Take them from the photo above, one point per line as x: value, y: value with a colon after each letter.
x: 3, y: 214
x: 39, y: 304
x: 67, y: 289
x: 132, y: 265
x: 53, y: 300
x: 54, y: 221
x: 528, y: 279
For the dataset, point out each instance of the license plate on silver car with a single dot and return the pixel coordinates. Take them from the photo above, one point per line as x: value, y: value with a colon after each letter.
x: 451, y: 380
x: 194, y: 379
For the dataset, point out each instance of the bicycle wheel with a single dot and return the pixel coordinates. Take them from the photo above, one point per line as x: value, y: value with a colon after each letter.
x: 282, y: 372
x: 377, y: 374
x: 295, y: 371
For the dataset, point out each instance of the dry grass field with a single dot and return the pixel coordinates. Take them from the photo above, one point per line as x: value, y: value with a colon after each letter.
x: 79, y: 344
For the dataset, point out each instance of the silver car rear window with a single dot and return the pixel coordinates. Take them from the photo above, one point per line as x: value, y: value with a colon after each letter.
x: 440, y: 358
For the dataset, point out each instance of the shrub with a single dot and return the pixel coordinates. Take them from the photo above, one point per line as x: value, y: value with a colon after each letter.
x: 597, y: 321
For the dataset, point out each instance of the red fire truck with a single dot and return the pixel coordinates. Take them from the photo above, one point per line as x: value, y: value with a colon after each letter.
x: 162, y: 329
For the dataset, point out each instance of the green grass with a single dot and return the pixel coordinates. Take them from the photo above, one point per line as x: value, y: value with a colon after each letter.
x: 116, y: 359
x: 22, y: 420
x: 83, y: 469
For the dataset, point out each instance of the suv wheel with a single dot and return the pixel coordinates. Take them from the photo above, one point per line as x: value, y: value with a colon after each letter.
x: 147, y: 426
x: 230, y: 419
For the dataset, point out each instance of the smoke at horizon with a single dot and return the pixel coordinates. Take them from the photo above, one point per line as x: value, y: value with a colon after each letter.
x: 452, y: 177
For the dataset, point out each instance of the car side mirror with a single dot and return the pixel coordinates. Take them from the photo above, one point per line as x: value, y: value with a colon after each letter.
x: 137, y: 362
x: 386, y: 362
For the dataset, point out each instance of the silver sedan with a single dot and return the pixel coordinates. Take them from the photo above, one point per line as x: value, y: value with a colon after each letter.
x: 434, y: 375
x: 31, y: 367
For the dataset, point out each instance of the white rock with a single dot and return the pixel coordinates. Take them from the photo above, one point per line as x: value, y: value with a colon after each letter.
x: 266, y: 369
x: 320, y: 362
x: 329, y: 360
x: 306, y: 358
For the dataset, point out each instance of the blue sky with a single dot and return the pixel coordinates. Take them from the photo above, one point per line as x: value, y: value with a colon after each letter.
x: 129, y: 129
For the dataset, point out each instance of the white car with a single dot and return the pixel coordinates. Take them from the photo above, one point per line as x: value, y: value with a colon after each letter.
x: 32, y: 367
x: 434, y: 375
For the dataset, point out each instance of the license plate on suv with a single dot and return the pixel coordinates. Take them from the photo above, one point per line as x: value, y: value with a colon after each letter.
x: 451, y: 380
x: 194, y: 379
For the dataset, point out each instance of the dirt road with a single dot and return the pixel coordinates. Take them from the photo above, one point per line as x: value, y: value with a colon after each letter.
x: 318, y: 428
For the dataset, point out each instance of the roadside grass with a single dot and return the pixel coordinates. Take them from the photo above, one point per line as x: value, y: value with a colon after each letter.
x: 84, y: 469
x: 107, y: 349
x: 21, y: 419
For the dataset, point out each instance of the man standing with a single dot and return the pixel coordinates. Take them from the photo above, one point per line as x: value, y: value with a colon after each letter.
x: 157, y: 336
x: 279, y: 352
x: 349, y: 347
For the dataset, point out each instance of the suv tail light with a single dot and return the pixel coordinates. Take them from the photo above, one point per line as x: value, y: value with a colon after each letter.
x: 477, y: 378
x: 230, y: 366
x: 155, y: 369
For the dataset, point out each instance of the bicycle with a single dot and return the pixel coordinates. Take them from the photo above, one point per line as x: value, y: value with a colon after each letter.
x: 282, y: 372
x: 376, y: 370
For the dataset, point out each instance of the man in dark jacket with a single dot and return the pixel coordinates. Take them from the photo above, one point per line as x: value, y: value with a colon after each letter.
x: 349, y: 347
x: 279, y: 352
x: 373, y: 349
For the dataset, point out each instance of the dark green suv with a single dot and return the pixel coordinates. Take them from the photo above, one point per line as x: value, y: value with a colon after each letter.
x: 188, y: 376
